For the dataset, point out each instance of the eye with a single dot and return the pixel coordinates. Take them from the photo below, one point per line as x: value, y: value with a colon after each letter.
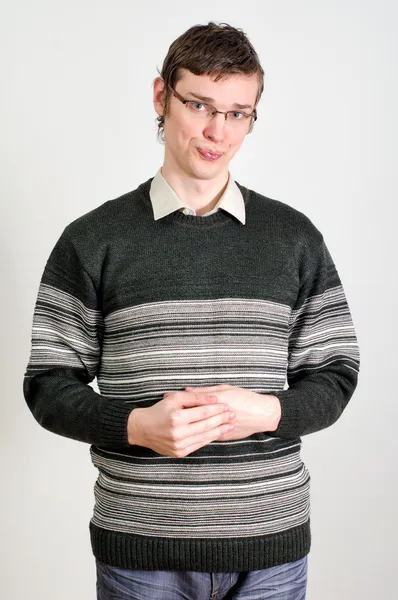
x: 235, y: 116
x: 196, y: 106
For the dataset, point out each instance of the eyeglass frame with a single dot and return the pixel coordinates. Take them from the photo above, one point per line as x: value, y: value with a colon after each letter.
x: 184, y: 101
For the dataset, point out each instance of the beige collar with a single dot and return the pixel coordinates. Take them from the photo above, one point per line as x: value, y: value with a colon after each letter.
x: 165, y: 201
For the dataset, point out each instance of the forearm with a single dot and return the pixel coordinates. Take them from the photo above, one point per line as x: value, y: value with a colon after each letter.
x: 63, y: 403
x: 315, y: 402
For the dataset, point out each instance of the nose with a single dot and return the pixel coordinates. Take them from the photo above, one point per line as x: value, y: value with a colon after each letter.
x: 215, y: 128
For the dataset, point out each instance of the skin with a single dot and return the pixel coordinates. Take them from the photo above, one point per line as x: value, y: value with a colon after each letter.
x: 197, y: 182
x: 185, y: 421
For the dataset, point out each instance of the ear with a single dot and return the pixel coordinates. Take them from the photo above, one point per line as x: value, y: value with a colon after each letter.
x: 159, y: 93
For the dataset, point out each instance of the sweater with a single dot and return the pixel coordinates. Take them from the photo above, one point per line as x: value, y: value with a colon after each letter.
x: 151, y: 306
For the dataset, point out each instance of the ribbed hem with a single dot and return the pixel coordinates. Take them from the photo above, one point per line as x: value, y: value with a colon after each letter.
x: 212, y: 556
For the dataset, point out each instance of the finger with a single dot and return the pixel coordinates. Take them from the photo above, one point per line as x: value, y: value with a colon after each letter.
x: 199, y: 413
x: 189, y: 399
x: 166, y: 394
x: 196, y: 442
x: 203, y: 426
x: 210, y: 388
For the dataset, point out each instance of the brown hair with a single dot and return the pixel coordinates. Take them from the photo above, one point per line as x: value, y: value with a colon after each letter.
x: 210, y: 49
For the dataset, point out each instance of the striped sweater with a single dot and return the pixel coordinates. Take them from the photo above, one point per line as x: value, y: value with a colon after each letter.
x: 153, y: 306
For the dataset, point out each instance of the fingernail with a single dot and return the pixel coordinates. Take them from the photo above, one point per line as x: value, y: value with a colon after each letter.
x: 213, y: 398
x: 232, y: 416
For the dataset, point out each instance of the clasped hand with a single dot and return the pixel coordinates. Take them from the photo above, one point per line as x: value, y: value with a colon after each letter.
x: 183, y: 422
x: 254, y: 412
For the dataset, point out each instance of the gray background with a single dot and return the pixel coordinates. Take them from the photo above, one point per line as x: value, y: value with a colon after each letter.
x: 79, y: 128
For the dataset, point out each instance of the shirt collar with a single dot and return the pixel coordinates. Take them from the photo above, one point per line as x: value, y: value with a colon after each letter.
x: 165, y: 201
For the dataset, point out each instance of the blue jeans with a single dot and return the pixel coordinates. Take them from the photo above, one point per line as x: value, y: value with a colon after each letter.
x: 284, y: 582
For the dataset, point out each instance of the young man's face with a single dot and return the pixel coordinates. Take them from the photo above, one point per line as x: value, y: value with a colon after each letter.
x: 188, y: 137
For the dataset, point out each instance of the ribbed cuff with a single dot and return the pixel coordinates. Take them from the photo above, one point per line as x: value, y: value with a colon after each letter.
x: 289, y: 424
x: 113, y: 426
x: 207, y: 555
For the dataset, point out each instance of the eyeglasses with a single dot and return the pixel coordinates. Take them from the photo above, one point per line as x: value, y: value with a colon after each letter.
x: 236, y: 118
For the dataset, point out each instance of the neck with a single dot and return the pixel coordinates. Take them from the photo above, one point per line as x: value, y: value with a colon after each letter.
x: 198, y: 194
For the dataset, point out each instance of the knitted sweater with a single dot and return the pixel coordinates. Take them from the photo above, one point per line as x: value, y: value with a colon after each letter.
x: 153, y: 306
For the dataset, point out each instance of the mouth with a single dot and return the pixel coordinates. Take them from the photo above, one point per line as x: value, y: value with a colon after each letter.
x: 208, y: 155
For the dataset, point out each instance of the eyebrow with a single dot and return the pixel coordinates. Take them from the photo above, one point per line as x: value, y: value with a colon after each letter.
x: 211, y: 100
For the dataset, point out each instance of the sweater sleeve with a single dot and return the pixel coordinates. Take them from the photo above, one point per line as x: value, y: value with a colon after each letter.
x: 323, y: 359
x: 65, y: 355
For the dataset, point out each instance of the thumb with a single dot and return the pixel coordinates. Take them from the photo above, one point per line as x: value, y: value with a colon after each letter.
x: 197, y: 399
x: 187, y: 399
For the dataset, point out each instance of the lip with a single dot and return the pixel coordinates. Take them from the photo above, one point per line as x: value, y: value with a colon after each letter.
x: 209, y: 154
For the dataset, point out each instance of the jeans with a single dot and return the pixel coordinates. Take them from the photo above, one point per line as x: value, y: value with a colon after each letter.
x: 284, y: 582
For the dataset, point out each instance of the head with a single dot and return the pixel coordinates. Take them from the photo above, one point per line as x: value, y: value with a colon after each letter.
x: 207, y: 61
x: 217, y: 50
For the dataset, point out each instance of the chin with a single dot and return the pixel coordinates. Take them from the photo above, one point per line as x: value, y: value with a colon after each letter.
x: 207, y: 170
x: 206, y: 174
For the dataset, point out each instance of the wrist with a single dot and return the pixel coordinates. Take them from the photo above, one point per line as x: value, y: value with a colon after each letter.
x: 134, y: 427
x: 271, y: 412
x: 275, y: 412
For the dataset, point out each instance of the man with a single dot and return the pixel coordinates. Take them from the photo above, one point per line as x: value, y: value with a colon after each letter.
x: 192, y: 299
